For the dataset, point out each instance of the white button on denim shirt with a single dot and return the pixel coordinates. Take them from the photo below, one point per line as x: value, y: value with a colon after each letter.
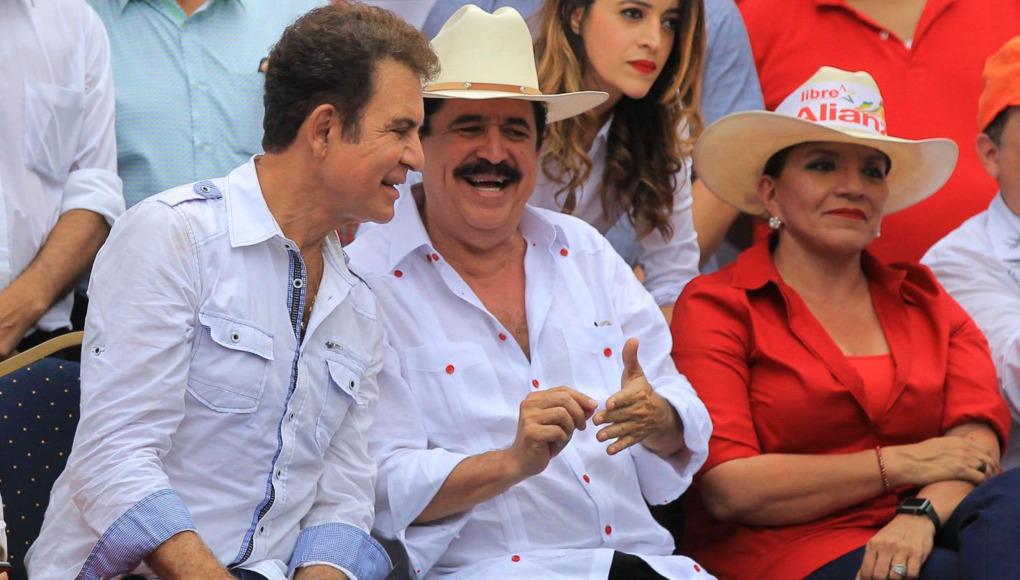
x: 206, y: 407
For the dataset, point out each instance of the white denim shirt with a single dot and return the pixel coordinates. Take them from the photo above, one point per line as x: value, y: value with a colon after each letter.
x: 56, y: 125
x: 206, y: 407
x: 668, y: 264
x: 979, y: 265
x: 452, y: 384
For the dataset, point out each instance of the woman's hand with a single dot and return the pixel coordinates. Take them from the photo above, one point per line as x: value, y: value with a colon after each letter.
x: 940, y: 459
x: 906, y: 541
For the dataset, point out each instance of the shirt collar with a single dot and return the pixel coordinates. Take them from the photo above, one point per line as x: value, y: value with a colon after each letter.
x: 411, y: 234
x: 755, y: 269
x: 249, y: 220
x: 124, y: 3
x: 1003, y: 230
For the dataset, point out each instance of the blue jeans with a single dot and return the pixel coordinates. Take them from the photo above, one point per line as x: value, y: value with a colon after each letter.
x: 980, y: 541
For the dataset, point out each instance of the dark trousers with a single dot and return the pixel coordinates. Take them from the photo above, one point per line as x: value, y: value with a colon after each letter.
x: 630, y: 567
x: 981, y: 541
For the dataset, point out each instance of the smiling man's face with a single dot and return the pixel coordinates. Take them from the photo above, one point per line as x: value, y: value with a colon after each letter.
x: 481, y: 164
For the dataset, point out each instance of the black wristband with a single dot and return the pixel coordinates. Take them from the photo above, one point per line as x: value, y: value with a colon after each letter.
x: 919, y: 506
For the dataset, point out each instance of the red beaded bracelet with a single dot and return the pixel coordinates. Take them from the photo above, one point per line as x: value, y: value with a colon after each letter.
x: 881, y: 468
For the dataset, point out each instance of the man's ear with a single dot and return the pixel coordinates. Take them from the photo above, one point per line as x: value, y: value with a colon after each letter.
x: 767, y: 194
x: 320, y: 128
x: 988, y: 152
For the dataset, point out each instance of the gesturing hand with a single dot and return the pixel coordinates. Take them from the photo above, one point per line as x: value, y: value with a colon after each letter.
x: 546, y: 422
x: 637, y: 412
x: 907, y: 541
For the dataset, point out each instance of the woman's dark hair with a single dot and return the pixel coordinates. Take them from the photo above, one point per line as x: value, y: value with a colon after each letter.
x: 645, y: 150
x: 330, y: 55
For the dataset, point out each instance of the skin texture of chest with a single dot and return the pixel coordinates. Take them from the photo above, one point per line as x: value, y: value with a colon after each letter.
x: 852, y: 324
x: 503, y: 297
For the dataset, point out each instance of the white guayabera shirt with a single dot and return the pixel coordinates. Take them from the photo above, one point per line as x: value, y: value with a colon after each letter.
x: 451, y: 387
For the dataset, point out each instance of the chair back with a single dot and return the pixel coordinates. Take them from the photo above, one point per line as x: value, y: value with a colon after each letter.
x: 39, y: 406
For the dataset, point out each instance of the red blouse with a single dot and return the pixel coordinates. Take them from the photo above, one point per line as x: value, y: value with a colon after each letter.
x: 775, y: 382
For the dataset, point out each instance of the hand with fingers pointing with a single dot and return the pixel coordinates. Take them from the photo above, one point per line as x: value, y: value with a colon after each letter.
x: 637, y: 414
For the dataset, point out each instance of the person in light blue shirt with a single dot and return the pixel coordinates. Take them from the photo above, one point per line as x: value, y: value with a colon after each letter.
x: 188, y: 85
x: 730, y: 82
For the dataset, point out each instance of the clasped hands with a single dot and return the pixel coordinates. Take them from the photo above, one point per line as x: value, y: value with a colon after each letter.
x: 635, y: 414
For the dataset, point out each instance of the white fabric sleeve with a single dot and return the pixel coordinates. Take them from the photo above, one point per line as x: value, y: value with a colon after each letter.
x: 670, y: 264
x: 410, y: 472
x: 142, y: 307
x: 981, y: 284
x: 662, y: 480
x: 92, y: 183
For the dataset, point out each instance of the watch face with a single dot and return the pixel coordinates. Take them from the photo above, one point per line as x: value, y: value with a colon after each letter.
x: 915, y: 503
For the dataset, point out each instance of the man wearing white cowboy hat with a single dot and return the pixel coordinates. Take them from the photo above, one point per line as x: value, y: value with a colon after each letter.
x: 520, y: 430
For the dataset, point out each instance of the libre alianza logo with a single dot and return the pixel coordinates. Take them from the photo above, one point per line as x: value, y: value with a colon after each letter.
x: 840, y: 105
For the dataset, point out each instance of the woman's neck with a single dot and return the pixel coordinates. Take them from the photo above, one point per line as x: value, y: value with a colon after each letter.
x: 814, y: 273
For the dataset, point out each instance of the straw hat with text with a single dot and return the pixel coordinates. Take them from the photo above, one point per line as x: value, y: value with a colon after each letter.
x: 833, y: 105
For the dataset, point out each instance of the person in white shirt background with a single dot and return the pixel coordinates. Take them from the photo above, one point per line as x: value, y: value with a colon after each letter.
x: 532, y: 407
x: 230, y: 360
x: 627, y: 161
x: 979, y: 262
x: 59, y: 190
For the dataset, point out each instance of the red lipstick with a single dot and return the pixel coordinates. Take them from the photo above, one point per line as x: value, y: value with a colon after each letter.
x: 848, y: 213
x: 643, y: 66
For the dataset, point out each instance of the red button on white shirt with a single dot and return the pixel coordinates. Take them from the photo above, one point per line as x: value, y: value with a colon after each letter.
x: 515, y: 558
x: 609, y: 530
x: 435, y: 257
x: 449, y: 369
x: 564, y: 252
x: 586, y: 478
x: 398, y: 273
x: 534, y: 383
x: 697, y: 568
x: 502, y: 336
x: 608, y: 352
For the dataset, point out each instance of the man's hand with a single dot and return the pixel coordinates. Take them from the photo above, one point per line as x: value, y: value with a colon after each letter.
x: 20, y: 309
x: 637, y: 414
x: 319, y: 572
x: 907, y: 541
x: 546, y: 422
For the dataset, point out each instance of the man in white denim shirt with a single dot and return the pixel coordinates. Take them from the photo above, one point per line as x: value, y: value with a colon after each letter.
x: 59, y: 190
x: 229, y: 369
x: 525, y: 425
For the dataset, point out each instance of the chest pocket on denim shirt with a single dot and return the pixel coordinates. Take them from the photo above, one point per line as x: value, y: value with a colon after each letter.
x: 595, y: 358
x: 53, y: 119
x: 343, y: 388
x: 230, y: 363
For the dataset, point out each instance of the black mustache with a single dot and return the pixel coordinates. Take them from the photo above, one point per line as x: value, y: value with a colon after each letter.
x: 477, y: 166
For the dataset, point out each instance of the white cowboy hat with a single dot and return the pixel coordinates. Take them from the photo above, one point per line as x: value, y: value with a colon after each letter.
x: 833, y: 105
x: 490, y: 56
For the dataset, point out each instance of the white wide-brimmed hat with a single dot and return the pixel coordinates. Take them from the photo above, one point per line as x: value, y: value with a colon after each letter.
x: 490, y: 56
x: 833, y: 105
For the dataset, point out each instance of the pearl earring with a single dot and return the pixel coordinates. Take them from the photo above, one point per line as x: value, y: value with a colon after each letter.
x: 775, y: 223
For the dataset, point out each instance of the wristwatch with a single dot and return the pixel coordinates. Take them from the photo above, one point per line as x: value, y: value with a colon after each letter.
x: 919, y: 506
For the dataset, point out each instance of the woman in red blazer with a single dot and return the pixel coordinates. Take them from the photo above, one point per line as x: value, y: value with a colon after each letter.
x: 855, y: 405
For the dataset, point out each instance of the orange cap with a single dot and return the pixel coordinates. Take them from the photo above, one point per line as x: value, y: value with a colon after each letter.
x: 1002, y: 82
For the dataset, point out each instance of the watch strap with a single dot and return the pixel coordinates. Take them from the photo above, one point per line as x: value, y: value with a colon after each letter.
x: 926, y: 509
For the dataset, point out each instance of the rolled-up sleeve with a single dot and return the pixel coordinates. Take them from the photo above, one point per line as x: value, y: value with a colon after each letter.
x: 669, y: 264
x: 134, y: 375
x: 336, y: 529
x: 410, y: 473
x: 662, y: 480
x: 92, y: 183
